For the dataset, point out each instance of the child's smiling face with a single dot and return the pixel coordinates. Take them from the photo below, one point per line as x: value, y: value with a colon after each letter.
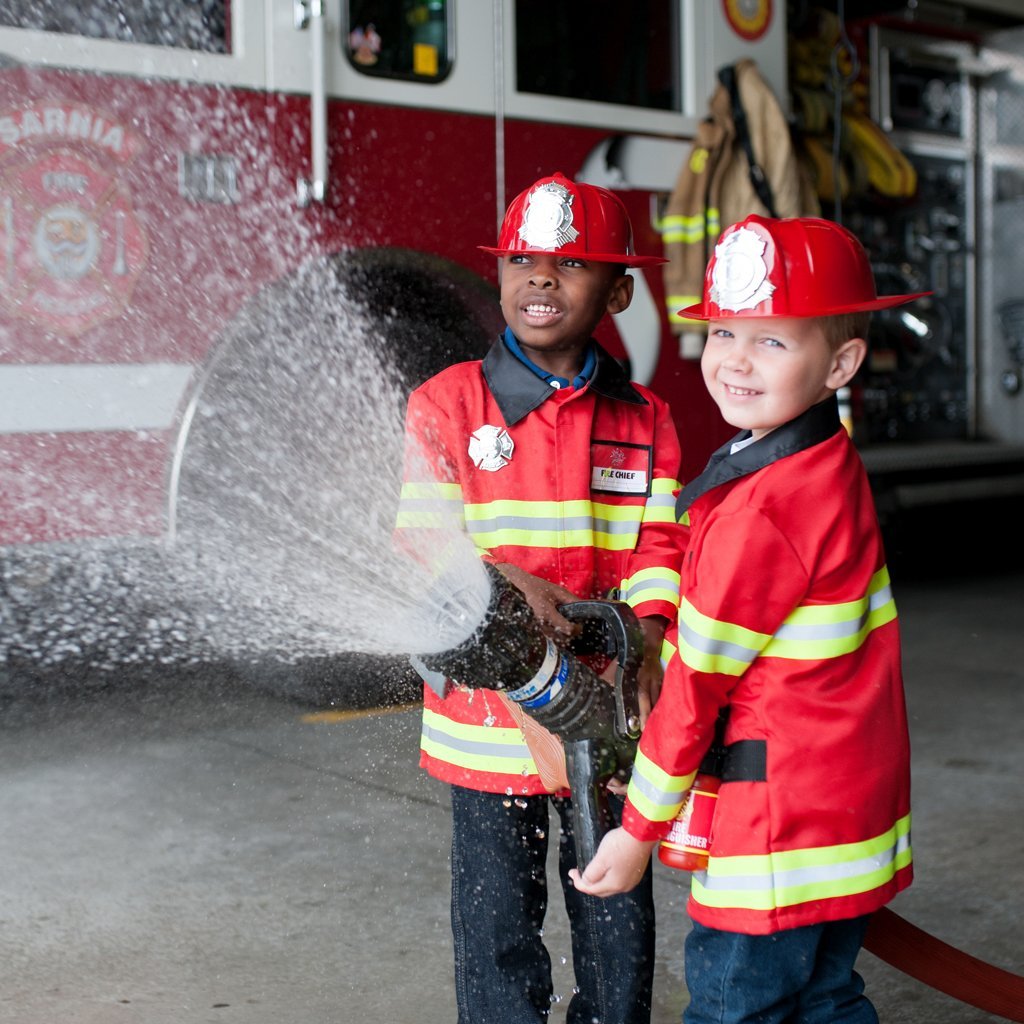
x: 763, y: 372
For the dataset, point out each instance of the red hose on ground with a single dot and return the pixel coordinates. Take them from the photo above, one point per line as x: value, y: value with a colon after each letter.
x: 943, y: 967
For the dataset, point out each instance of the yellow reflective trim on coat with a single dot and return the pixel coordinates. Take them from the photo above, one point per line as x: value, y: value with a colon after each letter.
x: 431, y: 490
x: 554, y: 524
x: 667, y: 653
x: 652, y: 584
x: 653, y: 792
x: 476, y: 747
x: 817, y: 632
x: 810, y: 633
x: 691, y: 229
x: 707, y: 645
x: 790, y: 877
x: 429, y: 506
x: 683, y: 230
x: 661, y: 505
x: 540, y: 510
x: 674, y: 303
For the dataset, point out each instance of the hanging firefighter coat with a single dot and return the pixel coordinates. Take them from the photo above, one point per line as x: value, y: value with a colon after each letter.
x: 742, y: 161
x: 786, y: 616
x: 575, y: 486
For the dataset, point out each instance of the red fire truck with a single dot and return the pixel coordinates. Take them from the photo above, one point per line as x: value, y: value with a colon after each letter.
x: 160, y: 165
x: 168, y: 172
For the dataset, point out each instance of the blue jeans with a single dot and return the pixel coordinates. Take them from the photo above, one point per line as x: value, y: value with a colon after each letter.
x: 800, y: 976
x: 499, y: 898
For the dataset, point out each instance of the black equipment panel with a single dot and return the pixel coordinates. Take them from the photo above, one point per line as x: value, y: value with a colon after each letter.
x: 914, y: 383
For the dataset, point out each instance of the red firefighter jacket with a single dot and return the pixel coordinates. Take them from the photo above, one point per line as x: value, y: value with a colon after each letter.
x: 787, y: 617
x: 576, y: 486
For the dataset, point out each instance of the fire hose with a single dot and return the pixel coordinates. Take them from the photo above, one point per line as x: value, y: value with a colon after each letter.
x: 945, y: 968
x: 599, y: 726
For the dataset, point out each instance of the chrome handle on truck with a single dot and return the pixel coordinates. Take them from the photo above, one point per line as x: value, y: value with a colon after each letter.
x: 311, y: 15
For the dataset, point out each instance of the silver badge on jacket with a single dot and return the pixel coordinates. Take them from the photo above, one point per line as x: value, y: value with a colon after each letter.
x: 490, y: 448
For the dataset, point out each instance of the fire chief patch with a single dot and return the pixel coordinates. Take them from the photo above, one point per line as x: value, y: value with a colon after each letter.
x: 620, y: 468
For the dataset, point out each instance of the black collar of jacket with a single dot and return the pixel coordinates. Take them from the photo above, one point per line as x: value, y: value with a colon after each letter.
x: 812, y: 427
x: 518, y: 390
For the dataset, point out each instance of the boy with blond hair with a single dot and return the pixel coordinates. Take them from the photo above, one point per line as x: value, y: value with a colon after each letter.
x: 787, y: 621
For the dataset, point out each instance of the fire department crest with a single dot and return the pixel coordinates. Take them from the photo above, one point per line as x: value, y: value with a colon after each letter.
x: 547, y: 222
x: 739, y: 279
x: 490, y: 448
x: 73, y: 246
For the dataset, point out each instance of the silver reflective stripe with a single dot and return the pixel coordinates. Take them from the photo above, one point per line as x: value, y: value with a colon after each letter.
x: 655, y: 795
x: 538, y: 524
x: 661, y: 501
x: 707, y: 645
x: 836, y: 630
x: 778, y: 880
x: 444, y: 739
x: 650, y: 584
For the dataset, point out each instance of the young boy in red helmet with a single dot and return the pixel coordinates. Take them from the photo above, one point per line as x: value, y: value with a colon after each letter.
x: 525, y: 440
x: 787, y: 620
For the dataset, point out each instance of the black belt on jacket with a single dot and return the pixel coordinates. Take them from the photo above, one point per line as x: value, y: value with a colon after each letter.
x: 745, y: 761
x: 742, y: 761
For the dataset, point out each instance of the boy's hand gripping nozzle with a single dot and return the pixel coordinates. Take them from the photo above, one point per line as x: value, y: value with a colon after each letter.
x: 597, y: 723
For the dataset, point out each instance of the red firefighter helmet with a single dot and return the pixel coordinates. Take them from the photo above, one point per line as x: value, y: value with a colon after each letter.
x: 561, y: 217
x: 796, y: 266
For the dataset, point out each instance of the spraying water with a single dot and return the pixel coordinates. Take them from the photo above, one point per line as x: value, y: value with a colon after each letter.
x: 285, y: 497
x: 305, y: 498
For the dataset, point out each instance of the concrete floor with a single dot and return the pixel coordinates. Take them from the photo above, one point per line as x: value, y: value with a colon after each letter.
x: 178, y: 851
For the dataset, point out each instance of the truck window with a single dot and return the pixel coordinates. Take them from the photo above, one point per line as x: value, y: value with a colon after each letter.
x: 399, y: 38
x: 186, y: 24
x: 601, y: 50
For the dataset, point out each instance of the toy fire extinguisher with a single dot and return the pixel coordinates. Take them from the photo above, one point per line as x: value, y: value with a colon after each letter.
x: 689, y: 839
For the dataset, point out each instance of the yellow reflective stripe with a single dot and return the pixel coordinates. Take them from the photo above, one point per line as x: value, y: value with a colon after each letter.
x: 820, y: 631
x: 707, y: 645
x: 433, y: 490
x: 690, y: 229
x: 477, y: 747
x: 790, y: 877
x: 686, y: 518
x: 554, y: 524
x: 653, y: 792
x: 429, y: 505
x: 661, y: 505
x: 667, y: 652
x: 674, y: 303
x: 686, y: 230
x: 810, y: 633
x: 652, y: 584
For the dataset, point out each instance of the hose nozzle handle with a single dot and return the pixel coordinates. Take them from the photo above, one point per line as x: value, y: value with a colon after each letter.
x: 612, y: 628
